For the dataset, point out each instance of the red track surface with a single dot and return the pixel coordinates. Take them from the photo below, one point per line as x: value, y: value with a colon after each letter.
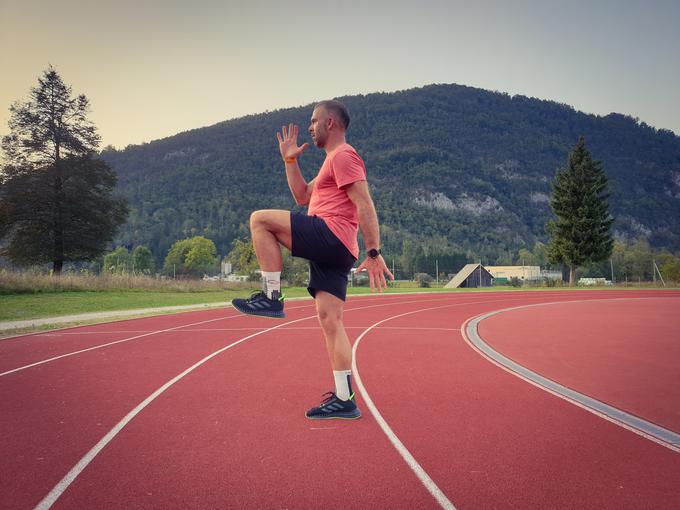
x: 232, y: 432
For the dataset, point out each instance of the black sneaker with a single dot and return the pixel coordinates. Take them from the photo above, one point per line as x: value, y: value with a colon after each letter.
x: 334, y: 408
x: 260, y: 304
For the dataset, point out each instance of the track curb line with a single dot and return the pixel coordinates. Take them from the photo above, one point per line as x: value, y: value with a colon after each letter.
x: 644, y: 428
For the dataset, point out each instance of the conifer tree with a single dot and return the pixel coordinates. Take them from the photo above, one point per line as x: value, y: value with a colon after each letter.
x: 56, y: 196
x: 580, y: 234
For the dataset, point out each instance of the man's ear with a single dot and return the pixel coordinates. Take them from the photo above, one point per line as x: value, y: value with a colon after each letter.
x: 330, y: 122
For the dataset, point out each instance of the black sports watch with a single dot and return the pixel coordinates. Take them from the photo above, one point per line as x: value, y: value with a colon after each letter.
x: 373, y: 253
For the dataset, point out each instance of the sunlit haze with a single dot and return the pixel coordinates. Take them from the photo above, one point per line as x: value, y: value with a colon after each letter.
x: 154, y: 68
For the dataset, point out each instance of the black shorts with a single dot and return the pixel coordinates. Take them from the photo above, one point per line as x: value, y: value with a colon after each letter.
x: 329, y: 260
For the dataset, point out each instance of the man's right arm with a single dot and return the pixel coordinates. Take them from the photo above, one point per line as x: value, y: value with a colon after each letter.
x: 301, y: 190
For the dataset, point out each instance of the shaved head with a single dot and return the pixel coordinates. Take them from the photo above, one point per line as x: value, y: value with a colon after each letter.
x: 337, y: 110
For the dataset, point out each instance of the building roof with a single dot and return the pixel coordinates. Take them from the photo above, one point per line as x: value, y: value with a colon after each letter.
x: 462, y: 275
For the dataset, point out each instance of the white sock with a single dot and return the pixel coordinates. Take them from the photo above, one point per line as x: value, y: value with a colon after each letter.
x: 343, y: 386
x: 272, y: 282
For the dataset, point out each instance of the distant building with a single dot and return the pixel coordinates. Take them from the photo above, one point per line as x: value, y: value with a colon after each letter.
x: 502, y: 274
x: 471, y: 276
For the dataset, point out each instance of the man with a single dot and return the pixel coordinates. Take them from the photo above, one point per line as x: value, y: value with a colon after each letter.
x: 339, y: 202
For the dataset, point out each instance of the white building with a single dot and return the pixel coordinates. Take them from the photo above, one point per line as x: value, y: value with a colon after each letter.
x: 525, y: 273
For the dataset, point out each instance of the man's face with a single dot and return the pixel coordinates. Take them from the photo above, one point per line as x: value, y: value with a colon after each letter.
x: 318, y: 127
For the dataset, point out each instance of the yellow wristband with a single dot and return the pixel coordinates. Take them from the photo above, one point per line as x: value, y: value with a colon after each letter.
x: 290, y: 160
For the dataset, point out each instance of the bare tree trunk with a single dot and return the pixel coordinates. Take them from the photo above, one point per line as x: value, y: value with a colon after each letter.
x: 571, y: 275
x: 58, y: 218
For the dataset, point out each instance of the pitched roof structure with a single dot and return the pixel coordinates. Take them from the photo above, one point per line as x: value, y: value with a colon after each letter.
x: 462, y: 275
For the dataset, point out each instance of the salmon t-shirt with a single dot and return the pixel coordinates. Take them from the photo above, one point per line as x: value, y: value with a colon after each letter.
x: 329, y: 200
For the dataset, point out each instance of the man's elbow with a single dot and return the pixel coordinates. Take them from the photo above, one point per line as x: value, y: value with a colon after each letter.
x: 302, y: 200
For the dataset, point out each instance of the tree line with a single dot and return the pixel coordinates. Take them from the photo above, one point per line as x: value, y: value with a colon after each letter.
x: 468, y: 166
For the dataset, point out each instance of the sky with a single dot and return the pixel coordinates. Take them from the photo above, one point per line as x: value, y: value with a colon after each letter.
x: 153, y: 68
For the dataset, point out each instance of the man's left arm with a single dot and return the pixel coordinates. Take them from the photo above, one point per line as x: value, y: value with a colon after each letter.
x: 359, y: 194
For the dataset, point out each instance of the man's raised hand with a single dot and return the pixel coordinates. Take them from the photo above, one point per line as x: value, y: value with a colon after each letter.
x: 288, y: 142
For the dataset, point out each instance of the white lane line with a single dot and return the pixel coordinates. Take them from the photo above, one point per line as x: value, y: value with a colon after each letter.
x: 639, y: 426
x: 64, y: 483
x: 410, y: 460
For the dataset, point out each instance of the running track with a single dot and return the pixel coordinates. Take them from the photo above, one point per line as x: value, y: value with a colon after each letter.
x: 131, y: 414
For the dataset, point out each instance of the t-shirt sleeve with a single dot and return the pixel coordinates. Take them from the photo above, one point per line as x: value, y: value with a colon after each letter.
x: 348, y: 167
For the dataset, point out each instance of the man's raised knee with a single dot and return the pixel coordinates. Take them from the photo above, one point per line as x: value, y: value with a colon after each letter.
x: 257, y: 219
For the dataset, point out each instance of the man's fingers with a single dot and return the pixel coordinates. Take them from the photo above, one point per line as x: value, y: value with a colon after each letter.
x: 285, y: 133
x: 303, y: 148
x: 382, y: 280
x: 278, y: 137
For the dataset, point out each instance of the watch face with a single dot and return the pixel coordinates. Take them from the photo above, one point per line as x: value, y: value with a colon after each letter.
x: 373, y: 253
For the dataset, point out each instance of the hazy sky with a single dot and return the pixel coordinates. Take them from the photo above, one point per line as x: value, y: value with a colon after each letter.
x: 154, y: 68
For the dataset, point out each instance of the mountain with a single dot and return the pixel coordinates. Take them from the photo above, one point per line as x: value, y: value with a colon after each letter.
x: 468, y: 167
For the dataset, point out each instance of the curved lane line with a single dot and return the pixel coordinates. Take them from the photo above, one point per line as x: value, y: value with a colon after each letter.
x: 639, y: 426
x: 410, y: 460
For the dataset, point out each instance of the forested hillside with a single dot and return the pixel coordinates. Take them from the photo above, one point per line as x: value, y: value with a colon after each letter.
x: 450, y: 166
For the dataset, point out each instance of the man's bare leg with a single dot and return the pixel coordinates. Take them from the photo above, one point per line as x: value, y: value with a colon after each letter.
x: 329, y: 310
x: 269, y: 228
x: 330, y: 313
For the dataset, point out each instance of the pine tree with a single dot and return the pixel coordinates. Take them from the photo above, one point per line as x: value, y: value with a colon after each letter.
x: 56, y: 197
x: 580, y: 234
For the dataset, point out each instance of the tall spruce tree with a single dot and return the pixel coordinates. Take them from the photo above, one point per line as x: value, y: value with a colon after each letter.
x: 56, y: 197
x: 580, y: 234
